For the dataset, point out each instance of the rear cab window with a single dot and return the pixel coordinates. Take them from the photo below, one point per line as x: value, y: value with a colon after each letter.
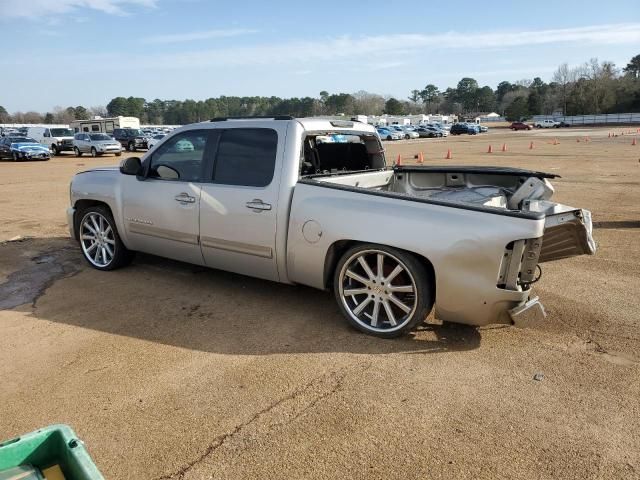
x: 246, y: 157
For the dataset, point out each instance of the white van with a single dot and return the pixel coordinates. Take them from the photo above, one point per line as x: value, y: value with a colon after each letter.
x: 58, y: 139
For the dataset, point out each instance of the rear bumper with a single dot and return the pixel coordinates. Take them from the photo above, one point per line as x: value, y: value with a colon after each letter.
x: 529, y: 314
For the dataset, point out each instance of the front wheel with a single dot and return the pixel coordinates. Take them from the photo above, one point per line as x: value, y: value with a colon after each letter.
x: 131, y: 147
x: 94, y: 152
x: 54, y: 150
x: 382, y: 291
x: 15, y: 156
x: 77, y: 152
x: 101, y: 245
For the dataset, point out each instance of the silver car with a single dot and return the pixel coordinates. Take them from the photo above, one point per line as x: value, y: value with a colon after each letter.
x: 95, y: 144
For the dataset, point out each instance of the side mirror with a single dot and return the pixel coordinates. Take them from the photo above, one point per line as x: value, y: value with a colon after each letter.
x: 131, y: 166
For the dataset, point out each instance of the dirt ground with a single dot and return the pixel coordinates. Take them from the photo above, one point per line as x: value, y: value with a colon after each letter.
x: 167, y: 370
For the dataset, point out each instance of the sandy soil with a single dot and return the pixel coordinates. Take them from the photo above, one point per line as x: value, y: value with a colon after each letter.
x: 168, y: 370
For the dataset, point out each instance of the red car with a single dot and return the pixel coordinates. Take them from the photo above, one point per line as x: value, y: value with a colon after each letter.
x: 519, y: 126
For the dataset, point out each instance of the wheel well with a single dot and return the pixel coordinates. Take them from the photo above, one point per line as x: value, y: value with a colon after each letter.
x: 81, y: 206
x: 337, y: 249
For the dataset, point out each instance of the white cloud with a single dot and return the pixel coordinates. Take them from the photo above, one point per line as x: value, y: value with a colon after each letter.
x: 189, y: 37
x: 42, y: 8
x: 395, y: 47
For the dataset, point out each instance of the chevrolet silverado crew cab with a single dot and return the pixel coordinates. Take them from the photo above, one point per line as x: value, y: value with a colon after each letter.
x: 271, y: 198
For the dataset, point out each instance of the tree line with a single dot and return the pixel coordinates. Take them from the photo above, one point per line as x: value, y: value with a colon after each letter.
x: 591, y: 88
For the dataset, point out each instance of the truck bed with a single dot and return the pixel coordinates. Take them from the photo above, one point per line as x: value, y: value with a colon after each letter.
x: 501, y: 191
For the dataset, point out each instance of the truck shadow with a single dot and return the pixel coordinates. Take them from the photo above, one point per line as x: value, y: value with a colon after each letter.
x: 196, y: 308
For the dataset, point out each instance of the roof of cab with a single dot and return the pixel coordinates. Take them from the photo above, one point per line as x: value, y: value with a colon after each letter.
x: 309, y: 123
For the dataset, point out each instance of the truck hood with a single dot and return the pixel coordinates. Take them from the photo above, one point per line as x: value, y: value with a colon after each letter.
x: 100, y: 169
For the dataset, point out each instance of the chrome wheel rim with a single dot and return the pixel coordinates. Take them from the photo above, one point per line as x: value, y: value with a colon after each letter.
x: 97, y: 239
x: 378, y: 291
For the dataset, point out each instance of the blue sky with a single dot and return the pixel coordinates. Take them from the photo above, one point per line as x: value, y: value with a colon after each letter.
x: 85, y: 52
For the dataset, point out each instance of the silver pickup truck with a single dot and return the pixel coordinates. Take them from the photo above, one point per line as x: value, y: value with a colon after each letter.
x: 313, y: 202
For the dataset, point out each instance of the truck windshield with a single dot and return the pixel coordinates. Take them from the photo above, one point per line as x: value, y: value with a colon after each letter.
x: 61, y: 132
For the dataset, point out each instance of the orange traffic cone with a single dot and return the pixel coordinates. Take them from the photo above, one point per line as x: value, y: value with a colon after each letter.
x: 399, y: 160
x: 490, y: 149
x: 531, y: 146
x: 420, y: 157
x: 578, y: 140
x: 633, y: 142
x: 587, y: 139
x: 449, y: 155
x: 555, y: 141
x: 609, y: 135
x: 504, y: 147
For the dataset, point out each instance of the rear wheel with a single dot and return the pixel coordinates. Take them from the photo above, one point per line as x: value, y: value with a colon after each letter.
x: 382, y: 291
x: 77, y: 151
x: 101, y: 245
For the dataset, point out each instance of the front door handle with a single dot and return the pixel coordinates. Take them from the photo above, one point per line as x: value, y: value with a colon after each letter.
x: 258, y: 205
x: 185, y: 198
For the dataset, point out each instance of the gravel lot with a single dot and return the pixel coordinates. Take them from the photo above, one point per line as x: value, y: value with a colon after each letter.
x: 167, y: 370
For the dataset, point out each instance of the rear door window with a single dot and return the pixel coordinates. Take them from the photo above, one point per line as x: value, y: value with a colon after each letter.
x: 246, y: 156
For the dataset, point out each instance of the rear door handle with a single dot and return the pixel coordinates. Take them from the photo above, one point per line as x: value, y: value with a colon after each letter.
x: 185, y: 198
x: 258, y: 205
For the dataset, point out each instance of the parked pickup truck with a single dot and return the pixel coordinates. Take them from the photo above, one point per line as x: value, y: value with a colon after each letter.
x: 546, y: 124
x: 265, y: 198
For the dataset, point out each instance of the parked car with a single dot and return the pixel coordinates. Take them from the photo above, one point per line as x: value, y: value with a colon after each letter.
x: 403, y: 132
x: 130, y: 138
x: 431, y: 131
x: 95, y: 144
x: 546, y: 124
x: 23, y: 148
x: 562, y: 124
x: 438, y: 128
x: 57, y: 139
x: 387, y: 134
x: 410, y: 132
x: 463, y: 128
x: 155, y: 139
x: 253, y: 206
x: 483, y: 128
x: 520, y: 126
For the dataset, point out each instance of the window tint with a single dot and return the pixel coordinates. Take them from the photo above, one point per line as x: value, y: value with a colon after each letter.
x: 181, y: 157
x: 246, y: 156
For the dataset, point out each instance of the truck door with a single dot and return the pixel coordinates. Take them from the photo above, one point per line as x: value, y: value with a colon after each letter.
x: 161, y: 212
x: 239, y: 204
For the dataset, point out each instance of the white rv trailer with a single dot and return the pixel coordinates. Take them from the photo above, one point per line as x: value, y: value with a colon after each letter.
x: 104, y: 125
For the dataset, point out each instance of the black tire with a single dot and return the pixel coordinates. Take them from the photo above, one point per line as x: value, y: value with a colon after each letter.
x: 131, y: 147
x: 94, y: 152
x: 77, y: 151
x: 118, y: 154
x: 422, y: 297
x: 15, y: 157
x: 122, y: 256
x: 389, y: 137
x: 54, y: 150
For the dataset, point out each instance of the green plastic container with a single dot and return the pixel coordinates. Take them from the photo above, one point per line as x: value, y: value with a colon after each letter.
x: 53, y: 445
